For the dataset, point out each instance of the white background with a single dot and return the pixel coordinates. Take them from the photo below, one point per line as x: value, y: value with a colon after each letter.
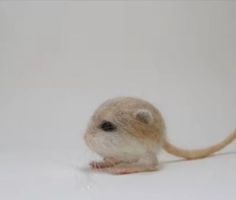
x: 60, y: 60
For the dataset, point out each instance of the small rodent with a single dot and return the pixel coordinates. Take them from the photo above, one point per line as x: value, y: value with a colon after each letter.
x: 129, y: 132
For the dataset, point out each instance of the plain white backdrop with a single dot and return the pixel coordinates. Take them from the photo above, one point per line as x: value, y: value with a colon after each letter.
x: 60, y: 59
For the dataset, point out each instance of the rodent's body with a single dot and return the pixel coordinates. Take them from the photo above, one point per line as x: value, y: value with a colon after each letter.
x: 129, y: 132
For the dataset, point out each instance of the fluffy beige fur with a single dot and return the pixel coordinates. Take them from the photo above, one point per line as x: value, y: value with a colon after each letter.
x: 139, y: 133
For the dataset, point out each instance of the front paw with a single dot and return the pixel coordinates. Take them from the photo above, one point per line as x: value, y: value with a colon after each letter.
x: 100, y: 165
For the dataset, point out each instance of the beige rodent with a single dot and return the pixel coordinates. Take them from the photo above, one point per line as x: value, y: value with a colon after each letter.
x: 129, y: 132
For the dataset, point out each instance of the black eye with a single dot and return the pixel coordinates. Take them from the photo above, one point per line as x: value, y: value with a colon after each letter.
x: 107, y: 126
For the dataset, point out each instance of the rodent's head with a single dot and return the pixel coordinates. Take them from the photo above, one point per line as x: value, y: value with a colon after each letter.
x: 124, y: 128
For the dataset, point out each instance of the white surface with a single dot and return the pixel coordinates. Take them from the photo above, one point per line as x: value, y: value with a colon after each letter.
x: 60, y: 60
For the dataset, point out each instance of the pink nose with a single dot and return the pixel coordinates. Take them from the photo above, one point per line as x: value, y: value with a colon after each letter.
x: 88, y: 137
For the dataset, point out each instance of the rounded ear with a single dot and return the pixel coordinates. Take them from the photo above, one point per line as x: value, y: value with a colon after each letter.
x: 144, y: 116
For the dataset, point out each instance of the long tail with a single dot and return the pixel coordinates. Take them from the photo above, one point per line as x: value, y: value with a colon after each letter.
x: 198, y: 153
